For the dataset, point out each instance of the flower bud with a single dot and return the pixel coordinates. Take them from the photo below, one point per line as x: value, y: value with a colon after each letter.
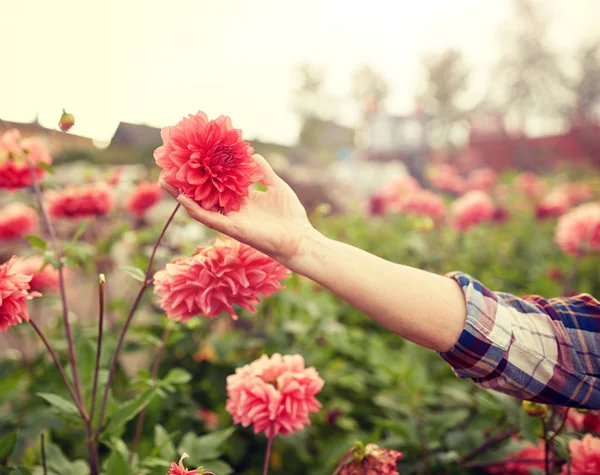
x: 534, y: 409
x: 66, y: 121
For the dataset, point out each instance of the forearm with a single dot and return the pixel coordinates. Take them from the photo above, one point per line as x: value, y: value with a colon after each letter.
x: 420, y: 306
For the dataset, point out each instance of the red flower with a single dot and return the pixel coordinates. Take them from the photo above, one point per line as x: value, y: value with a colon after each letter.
x: 215, y: 278
x: 535, y: 455
x: 16, y: 220
x: 586, y: 422
x: 77, y: 202
x: 15, y: 155
x: 275, y: 395
x: 423, y: 203
x: 372, y: 459
x: 43, y: 277
x: 144, y: 196
x: 585, y: 456
x: 14, y: 292
x: 208, y: 161
x: 179, y: 469
x: 472, y: 209
x: 578, y: 231
x: 377, y: 205
x: 501, y: 214
x: 530, y: 184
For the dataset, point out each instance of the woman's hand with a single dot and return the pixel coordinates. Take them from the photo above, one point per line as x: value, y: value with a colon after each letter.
x: 272, y: 221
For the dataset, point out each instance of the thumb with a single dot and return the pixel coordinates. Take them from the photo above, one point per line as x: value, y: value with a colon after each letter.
x: 174, y: 192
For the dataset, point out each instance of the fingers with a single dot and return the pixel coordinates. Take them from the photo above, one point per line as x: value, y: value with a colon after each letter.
x: 211, y: 219
x: 270, y: 177
x: 174, y: 192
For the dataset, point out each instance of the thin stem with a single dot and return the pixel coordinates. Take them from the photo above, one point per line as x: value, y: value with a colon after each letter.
x: 268, y: 455
x: 145, y: 285
x: 93, y: 459
x: 54, y: 357
x: 61, y: 277
x: 561, y: 426
x: 140, y: 422
x: 101, y: 281
x: 44, y: 467
x: 501, y: 436
x: 546, y: 447
x: 338, y: 469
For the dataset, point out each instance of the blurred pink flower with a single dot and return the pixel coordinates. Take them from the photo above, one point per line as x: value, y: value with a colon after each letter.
x: 423, y: 203
x: 373, y: 460
x: 587, y: 422
x: 215, y: 278
x: 578, y: 232
x: 208, y: 161
x: 42, y: 278
x: 143, y: 197
x: 274, y: 395
x: 531, y: 185
x: 471, y: 209
x: 553, y: 205
x: 210, y: 418
x: 179, y: 469
x: 535, y: 454
x: 17, y: 220
x: 14, y: 292
x: 114, y: 177
x: 576, y: 192
x: 501, y: 214
x: 15, y: 172
x: 555, y: 274
x: 377, y: 205
x: 482, y: 179
x: 585, y: 456
x: 446, y: 178
x: 77, y: 202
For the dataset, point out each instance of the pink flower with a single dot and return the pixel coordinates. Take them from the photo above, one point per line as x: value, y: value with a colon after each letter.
x: 530, y: 184
x: 483, y: 179
x: 446, y: 178
x: 377, y: 205
x: 208, y: 161
x: 471, y: 209
x: 144, y: 196
x: 501, y: 214
x: 578, y: 231
x: 179, y: 469
x: 15, y: 171
x: 585, y: 456
x: 14, y: 292
x: 535, y: 454
x: 576, y: 192
x: 423, y: 203
x: 274, y: 395
x: 372, y: 459
x: 215, y: 278
x: 77, y: 202
x: 114, y: 177
x: 43, y: 277
x: 210, y: 418
x: 16, y: 220
x: 587, y: 422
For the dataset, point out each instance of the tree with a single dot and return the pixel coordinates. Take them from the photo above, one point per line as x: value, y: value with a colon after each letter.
x: 308, y: 92
x: 369, y: 88
x: 586, y: 86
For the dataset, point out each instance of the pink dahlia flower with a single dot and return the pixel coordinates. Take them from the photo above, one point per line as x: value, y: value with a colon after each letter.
x: 274, y: 395
x: 43, y: 277
x: 471, y: 209
x: 16, y: 220
x: 15, y: 155
x: 84, y: 201
x: 446, y: 178
x: 215, y: 278
x: 584, y: 422
x: 179, y: 469
x: 14, y: 293
x: 483, y: 179
x: 144, y: 196
x: 373, y: 460
x: 208, y: 161
x: 531, y: 185
x: 423, y: 203
x: 585, y: 456
x: 533, y: 456
x: 578, y: 231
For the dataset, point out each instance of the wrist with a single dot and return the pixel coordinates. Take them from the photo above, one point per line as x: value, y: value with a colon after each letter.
x: 306, y: 254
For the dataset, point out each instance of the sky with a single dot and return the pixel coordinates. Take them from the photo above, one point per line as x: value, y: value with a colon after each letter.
x: 155, y: 61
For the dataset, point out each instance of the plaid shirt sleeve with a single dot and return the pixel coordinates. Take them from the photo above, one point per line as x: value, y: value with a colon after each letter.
x: 541, y: 350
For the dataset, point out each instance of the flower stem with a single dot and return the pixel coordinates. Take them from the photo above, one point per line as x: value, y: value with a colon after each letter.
x: 546, y: 446
x: 343, y: 461
x: 145, y: 285
x: 140, y: 422
x: 268, y: 455
x: 44, y: 467
x: 571, y: 277
x: 489, y: 443
x: 54, y: 357
x: 61, y: 277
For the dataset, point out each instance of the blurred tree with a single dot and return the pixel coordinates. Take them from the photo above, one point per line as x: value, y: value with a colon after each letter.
x: 586, y: 86
x: 447, y: 77
x: 308, y: 95
x: 369, y: 88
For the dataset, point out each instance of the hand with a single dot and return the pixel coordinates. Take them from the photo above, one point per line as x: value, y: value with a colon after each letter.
x: 272, y: 221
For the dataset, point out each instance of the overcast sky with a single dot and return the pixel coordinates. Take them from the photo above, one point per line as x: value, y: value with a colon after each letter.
x: 154, y: 61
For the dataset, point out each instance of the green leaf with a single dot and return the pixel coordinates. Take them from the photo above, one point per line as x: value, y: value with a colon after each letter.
x: 177, y: 376
x: 129, y: 410
x: 60, y: 403
x: 529, y: 426
x: 206, y: 447
x: 7, y: 445
x: 23, y: 470
x: 117, y: 461
x: 163, y: 443
x: 49, y: 168
x: 134, y: 272
x: 36, y: 242
x: 80, y: 230
x: 217, y: 466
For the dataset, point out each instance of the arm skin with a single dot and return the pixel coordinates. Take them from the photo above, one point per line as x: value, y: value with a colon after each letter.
x: 425, y: 308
